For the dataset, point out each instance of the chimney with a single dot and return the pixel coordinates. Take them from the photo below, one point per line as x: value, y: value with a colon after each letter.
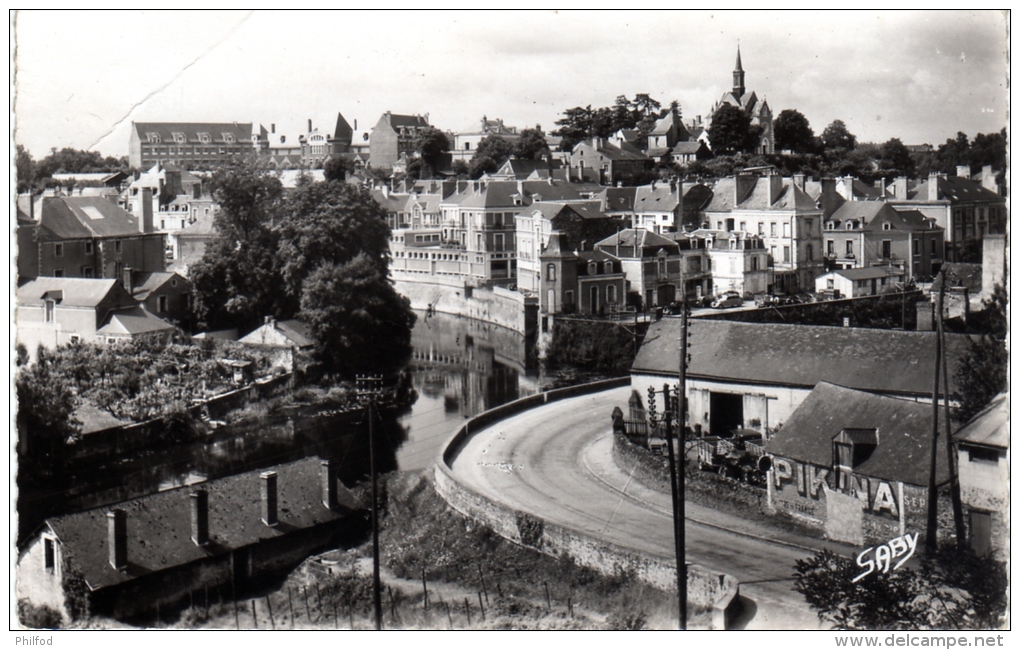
x: 848, y: 188
x: 200, y: 517
x: 145, y: 211
x: 900, y: 188
x: 880, y: 186
x: 742, y: 187
x: 268, y: 498
x: 775, y: 186
x: 355, y: 124
x: 116, y: 538
x: 799, y: 180
x: 963, y: 171
x: 309, y: 125
x: 126, y: 280
x: 328, y: 473
x: 933, y: 187
x: 272, y: 128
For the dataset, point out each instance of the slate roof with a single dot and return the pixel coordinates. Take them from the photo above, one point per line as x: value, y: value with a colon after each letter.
x: 390, y: 203
x: 790, y: 197
x: 887, y: 361
x: 643, y: 238
x: 522, y: 169
x: 159, y: 525
x: 131, y: 321
x: 495, y: 194
x: 240, y: 130
x: 990, y: 427
x: 691, y: 147
x: 143, y: 284
x: 77, y: 217
x: 550, y: 191
x: 657, y: 198
x: 904, y: 220
x: 854, y: 210
x: 77, y: 292
x: 723, y: 199
x: 955, y: 189
x: 866, y: 273
x: 904, y: 433
x: 618, y: 199
x: 406, y: 120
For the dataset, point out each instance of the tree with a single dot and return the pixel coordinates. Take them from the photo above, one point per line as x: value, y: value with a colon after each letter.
x: 337, y: 168
x: 460, y: 168
x: 479, y: 166
x: 430, y: 143
x: 248, y: 193
x: 45, y: 417
x: 895, y: 159
x: 25, y: 169
x: 76, y: 161
x: 329, y: 223
x: 236, y: 284
x: 360, y: 323
x: 983, y: 372
x: 531, y: 145
x: 836, y: 137
x: 494, y: 147
x: 730, y: 131
x: 793, y: 132
x: 951, y: 590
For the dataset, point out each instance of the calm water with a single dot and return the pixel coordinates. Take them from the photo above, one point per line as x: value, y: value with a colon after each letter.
x: 459, y: 367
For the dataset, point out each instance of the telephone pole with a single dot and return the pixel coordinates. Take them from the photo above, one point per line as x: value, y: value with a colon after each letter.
x: 681, y: 402
x: 368, y: 387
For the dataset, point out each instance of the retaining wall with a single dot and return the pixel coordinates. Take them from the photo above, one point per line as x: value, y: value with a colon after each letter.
x: 705, y: 588
x: 495, y: 305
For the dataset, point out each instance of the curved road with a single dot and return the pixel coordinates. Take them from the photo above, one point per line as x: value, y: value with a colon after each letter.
x: 552, y: 461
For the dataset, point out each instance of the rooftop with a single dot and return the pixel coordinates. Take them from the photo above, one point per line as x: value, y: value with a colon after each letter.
x: 990, y: 427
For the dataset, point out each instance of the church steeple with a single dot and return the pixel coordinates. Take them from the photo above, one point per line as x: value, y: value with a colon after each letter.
x: 738, y: 78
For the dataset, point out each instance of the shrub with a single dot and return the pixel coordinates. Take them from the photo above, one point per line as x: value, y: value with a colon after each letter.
x: 39, y: 616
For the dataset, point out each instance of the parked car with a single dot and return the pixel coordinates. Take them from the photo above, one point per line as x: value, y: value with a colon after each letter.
x: 726, y: 300
x: 675, y: 307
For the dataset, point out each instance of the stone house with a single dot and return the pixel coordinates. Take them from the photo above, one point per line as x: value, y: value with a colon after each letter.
x: 201, y: 145
x: 755, y: 375
x: 982, y: 453
x: 855, y: 283
x: 737, y: 261
x: 855, y: 464
x: 587, y: 282
x: 393, y: 136
x: 597, y: 160
x: 653, y: 265
x: 231, y: 534
x: 871, y: 233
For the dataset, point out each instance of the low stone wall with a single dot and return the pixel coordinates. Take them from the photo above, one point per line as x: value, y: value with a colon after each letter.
x: 496, y: 305
x: 705, y: 588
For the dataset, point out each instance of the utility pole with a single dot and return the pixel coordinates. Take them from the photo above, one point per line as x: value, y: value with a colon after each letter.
x: 654, y: 420
x: 931, y: 532
x: 954, y: 476
x: 368, y: 388
x: 681, y: 404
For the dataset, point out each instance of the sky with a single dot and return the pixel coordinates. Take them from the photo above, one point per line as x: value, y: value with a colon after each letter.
x: 82, y: 77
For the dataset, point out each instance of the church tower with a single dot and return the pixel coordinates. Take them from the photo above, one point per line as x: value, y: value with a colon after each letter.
x: 738, y: 78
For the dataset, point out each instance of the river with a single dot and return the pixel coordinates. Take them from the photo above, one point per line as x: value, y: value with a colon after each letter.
x: 459, y: 368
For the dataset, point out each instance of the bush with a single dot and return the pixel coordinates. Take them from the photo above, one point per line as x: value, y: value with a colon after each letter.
x: 40, y: 617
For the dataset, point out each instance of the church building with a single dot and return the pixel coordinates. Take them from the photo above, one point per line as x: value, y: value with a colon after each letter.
x: 761, y: 114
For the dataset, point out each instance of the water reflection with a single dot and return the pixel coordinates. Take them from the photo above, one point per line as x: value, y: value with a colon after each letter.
x: 460, y: 368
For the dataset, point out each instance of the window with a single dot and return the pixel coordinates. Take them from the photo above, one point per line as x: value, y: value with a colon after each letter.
x: 153, y: 138
x: 934, y: 247
x: 116, y: 246
x: 58, y: 250
x: 982, y: 454
x: 229, y: 138
x: 754, y: 262
x: 550, y: 272
x: 204, y: 138
x: 772, y: 229
x: 607, y: 267
x: 830, y: 283
x: 499, y: 241
x: 593, y: 268
x: 786, y: 229
x: 161, y: 304
x: 917, y: 247
x: 849, y: 225
x: 88, y: 248
x: 886, y: 226
x: 568, y: 297
x: 179, y: 137
x: 75, y: 339
x: 718, y: 225
x: 810, y: 253
x: 87, y: 272
x: 49, y: 555
x: 761, y: 228
x: 786, y: 253
x: 886, y: 249
x: 50, y: 305
x: 808, y: 223
x: 830, y: 247
x: 611, y: 293
x: 58, y: 273
x: 849, y: 248
x: 743, y: 226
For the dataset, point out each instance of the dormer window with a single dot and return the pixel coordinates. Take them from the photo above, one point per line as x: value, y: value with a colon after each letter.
x: 593, y: 268
x: 608, y: 267
x: 849, y: 225
x: 204, y: 138
x: 153, y: 138
x: 887, y: 226
x: 229, y: 138
x: 179, y: 137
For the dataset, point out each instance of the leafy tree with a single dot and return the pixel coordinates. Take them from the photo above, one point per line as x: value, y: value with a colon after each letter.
x: 951, y: 590
x: 983, y: 373
x: 46, y: 406
x: 793, y: 132
x: 430, y: 143
x: 361, y: 324
x: 460, y: 168
x: 329, y: 223
x: 494, y: 147
x: 580, y: 123
x: 76, y: 161
x: 25, y: 169
x: 730, y: 131
x: 337, y: 168
x: 988, y: 149
x: 531, y: 145
x: 836, y: 137
x: 237, y: 284
x: 895, y: 159
x: 248, y: 193
x: 856, y: 162
x: 483, y: 165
